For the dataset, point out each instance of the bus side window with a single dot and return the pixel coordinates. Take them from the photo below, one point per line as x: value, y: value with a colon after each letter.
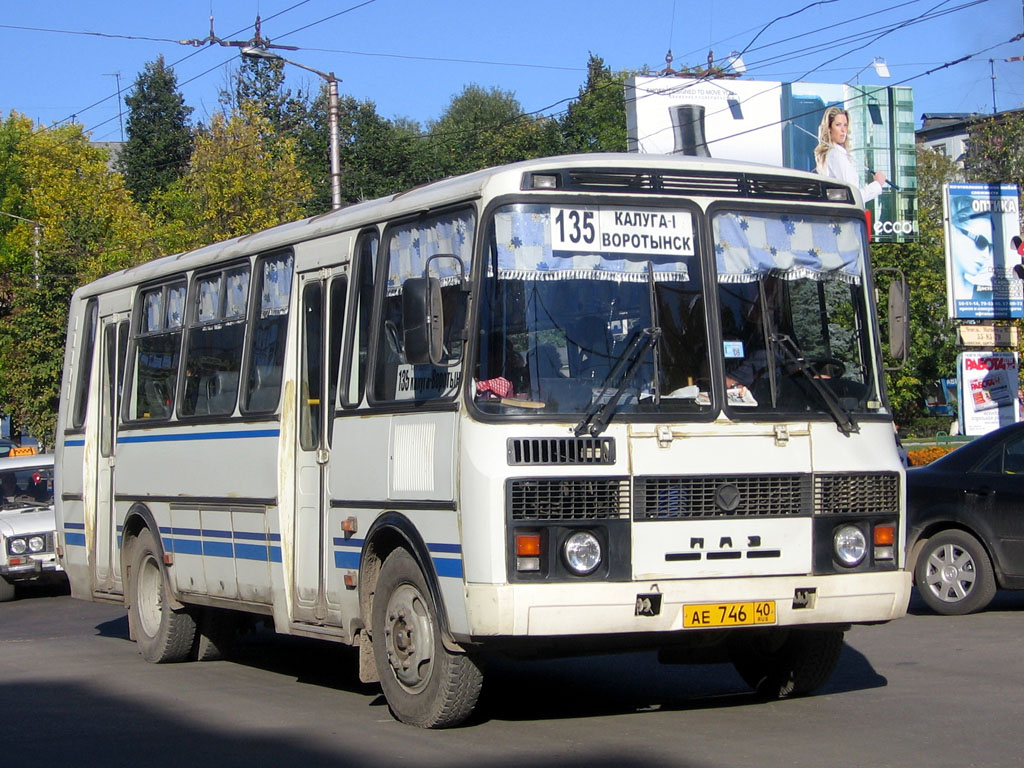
x: 409, y: 246
x: 85, y: 350
x: 213, y: 357
x: 269, y: 334
x: 157, y: 352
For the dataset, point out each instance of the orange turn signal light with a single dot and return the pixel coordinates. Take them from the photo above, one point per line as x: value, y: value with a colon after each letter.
x: 527, y: 545
x: 884, y: 535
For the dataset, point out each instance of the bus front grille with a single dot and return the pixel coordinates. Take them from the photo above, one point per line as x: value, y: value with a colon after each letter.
x: 857, y: 494
x: 577, y: 498
x: 674, y: 498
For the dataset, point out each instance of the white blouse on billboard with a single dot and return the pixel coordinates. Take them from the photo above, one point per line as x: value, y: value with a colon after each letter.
x: 839, y: 165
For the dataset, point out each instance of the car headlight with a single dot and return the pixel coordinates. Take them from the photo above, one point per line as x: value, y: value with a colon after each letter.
x: 850, y: 545
x: 18, y: 546
x: 582, y: 552
x: 36, y: 544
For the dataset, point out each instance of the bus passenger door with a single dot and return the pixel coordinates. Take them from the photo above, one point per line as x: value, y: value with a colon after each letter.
x: 113, y: 347
x: 322, y: 309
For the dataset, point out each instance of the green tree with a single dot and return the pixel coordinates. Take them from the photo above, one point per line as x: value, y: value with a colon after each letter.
x: 932, y: 333
x: 159, y: 138
x: 243, y: 178
x: 995, y: 150
x: 482, y: 128
x: 596, y: 121
x: 89, y: 226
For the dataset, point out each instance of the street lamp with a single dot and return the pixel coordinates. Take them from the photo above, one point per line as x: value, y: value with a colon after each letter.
x: 255, y: 52
x: 881, y: 69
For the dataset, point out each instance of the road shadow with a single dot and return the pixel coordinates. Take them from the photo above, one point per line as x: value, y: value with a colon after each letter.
x: 131, y: 731
x: 1005, y: 600
x: 635, y: 683
x: 34, y: 591
x: 580, y: 687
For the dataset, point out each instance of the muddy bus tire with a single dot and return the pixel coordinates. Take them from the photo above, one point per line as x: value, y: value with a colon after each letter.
x: 424, y: 683
x: 163, y: 634
x: 794, y: 665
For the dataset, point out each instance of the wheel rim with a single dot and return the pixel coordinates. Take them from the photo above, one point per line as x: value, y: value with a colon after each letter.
x: 409, y: 636
x: 149, y: 596
x: 951, y: 573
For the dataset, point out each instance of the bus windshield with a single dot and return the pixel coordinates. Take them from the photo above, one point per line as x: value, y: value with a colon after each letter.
x: 585, y: 304
x: 794, y: 315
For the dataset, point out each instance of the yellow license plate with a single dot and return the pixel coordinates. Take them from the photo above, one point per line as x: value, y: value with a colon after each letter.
x: 729, y: 614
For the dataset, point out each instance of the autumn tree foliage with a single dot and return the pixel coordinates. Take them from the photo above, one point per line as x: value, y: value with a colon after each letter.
x: 88, y: 226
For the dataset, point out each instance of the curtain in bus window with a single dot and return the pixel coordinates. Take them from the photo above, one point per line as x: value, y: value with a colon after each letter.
x: 208, y: 299
x: 749, y: 246
x: 263, y: 382
x: 411, y: 246
x: 277, y: 286
x: 175, y: 306
x: 525, y: 252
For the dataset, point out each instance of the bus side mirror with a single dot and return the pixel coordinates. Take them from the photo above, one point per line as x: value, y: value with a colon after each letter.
x: 422, y: 320
x: 899, y: 320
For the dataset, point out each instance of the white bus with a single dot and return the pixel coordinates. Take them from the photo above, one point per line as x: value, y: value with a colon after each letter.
x: 575, y: 404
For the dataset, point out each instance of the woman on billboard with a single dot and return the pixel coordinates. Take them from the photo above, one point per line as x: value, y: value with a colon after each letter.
x: 832, y: 155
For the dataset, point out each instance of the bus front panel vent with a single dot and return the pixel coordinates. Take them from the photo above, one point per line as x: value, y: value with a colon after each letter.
x: 560, y: 450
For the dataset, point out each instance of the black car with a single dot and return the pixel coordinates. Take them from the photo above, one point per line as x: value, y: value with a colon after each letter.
x: 965, y: 535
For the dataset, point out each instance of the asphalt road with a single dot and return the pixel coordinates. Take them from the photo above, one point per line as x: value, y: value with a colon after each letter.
x: 922, y: 691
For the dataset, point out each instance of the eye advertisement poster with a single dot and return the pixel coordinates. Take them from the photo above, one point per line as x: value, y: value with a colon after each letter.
x: 982, y: 241
x: 988, y: 391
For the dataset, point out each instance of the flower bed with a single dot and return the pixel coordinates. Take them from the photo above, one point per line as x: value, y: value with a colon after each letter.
x: 921, y: 456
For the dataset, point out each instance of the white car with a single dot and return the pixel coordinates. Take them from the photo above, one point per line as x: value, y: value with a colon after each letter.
x: 27, y: 523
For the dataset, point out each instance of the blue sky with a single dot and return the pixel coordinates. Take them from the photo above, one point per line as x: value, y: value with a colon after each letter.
x: 411, y: 56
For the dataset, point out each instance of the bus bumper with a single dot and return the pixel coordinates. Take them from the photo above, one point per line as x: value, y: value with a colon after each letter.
x: 611, y: 608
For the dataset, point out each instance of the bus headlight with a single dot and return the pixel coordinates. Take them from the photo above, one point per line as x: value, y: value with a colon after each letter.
x: 36, y: 544
x: 582, y: 552
x: 850, y: 545
x: 18, y: 546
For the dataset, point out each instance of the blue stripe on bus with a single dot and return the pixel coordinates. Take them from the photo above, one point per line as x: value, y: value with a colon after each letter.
x: 185, y: 546
x: 74, y: 539
x: 75, y: 526
x: 218, y: 549
x: 448, y: 566
x: 347, y: 560
x: 275, y: 554
x: 74, y: 443
x: 179, y: 437
x: 451, y: 549
x: 252, y: 552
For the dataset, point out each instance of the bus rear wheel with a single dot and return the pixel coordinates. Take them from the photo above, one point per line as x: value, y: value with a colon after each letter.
x: 424, y: 683
x: 162, y: 633
x: 794, y: 664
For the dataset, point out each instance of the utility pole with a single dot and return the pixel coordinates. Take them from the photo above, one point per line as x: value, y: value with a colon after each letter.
x: 120, y: 120
x: 992, y: 69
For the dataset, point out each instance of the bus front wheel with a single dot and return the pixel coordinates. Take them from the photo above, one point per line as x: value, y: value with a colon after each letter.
x: 424, y: 683
x: 792, y: 664
x: 162, y: 633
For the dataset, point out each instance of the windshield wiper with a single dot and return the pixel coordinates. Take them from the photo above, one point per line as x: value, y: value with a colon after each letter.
x: 793, y: 354
x: 622, y: 372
